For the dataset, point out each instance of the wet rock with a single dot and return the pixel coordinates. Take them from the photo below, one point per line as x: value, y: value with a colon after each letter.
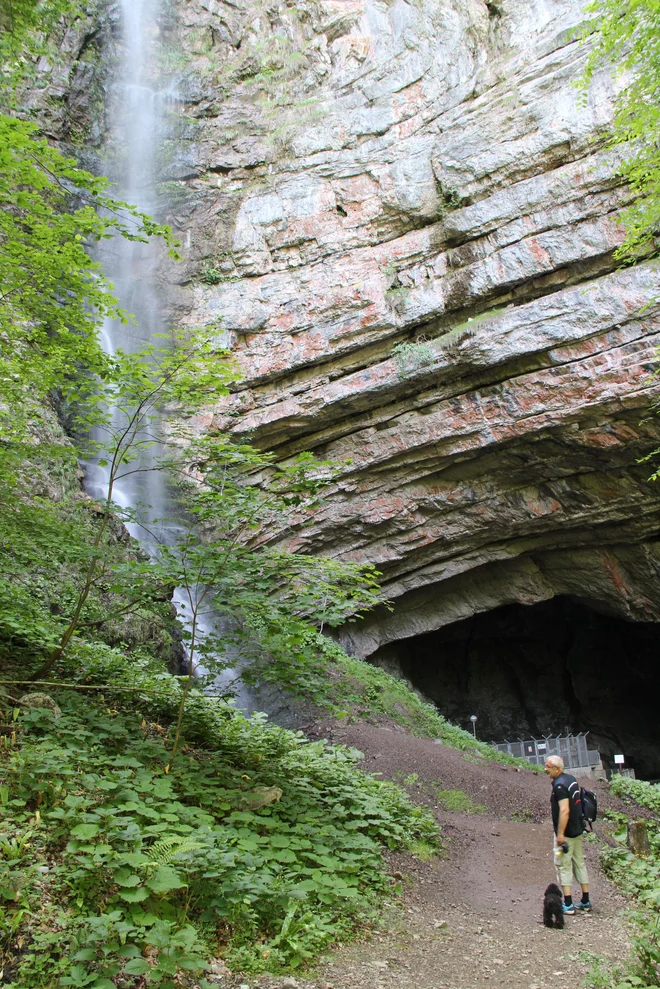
x: 43, y: 701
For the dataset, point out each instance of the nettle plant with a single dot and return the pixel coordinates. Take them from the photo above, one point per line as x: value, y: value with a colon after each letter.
x: 262, y: 852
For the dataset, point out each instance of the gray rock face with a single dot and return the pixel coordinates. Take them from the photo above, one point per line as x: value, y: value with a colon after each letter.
x: 401, y: 217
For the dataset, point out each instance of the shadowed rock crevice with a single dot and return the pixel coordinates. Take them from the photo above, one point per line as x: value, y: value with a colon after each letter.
x: 555, y: 666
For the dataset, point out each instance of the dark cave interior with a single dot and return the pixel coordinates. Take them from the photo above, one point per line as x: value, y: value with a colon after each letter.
x: 543, y: 669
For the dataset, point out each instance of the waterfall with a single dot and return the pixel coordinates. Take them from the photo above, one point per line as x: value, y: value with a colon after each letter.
x: 138, y: 130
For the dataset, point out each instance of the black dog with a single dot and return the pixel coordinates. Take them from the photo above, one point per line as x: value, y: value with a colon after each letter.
x: 553, y: 915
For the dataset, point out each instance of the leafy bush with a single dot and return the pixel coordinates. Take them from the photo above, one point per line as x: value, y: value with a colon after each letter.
x: 637, y: 791
x: 141, y: 874
x: 639, y: 878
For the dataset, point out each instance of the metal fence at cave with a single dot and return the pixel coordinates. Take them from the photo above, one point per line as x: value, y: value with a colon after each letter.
x: 574, y: 749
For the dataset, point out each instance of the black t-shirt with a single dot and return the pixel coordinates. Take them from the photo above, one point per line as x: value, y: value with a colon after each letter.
x: 566, y: 787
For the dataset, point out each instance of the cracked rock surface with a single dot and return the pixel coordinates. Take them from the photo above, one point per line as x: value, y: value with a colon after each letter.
x: 401, y: 218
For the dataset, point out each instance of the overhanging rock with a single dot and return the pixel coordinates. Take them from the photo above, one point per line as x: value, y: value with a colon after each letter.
x: 415, y: 272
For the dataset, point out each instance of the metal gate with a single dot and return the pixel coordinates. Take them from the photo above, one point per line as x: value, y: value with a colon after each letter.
x: 573, y: 749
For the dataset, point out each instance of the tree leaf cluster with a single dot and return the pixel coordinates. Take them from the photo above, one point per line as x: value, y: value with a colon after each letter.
x: 25, y: 28
x: 53, y: 295
x: 626, y: 37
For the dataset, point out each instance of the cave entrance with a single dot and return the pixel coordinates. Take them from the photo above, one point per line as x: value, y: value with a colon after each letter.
x: 544, y: 669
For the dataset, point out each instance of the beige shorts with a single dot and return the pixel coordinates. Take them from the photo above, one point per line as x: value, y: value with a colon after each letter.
x: 572, y: 864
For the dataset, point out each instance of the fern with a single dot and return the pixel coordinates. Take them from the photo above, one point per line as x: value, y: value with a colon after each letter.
x: 162, y: 852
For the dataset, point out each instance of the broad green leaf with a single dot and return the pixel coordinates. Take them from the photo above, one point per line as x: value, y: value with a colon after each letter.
x: 84, y: 955
x: 124, y: 877
x: 129, y: 951
x: 137, y: 966
x: 164, y: 879
x: 85, y: 830
x: 284, y: 855
x: 134, y: 895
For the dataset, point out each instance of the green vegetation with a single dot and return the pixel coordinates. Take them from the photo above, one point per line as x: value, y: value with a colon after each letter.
x: 451, y: 199
x: 67, y: 569
x: 52, y: 295
x: 626, y: 39
x: 210, y: 274
x: 369, y: 692
x: 257, y: 846
x: 452, y: 800
x: 69, y: 573
x: 424, y: 851
x: 639, y: 878
x: 458, y: 801
x: 145, y: 826
x: 638, y: 792
x: 25, y: 28
x: 411, y: 356
x: 522, y: 815
x: 469, y: 325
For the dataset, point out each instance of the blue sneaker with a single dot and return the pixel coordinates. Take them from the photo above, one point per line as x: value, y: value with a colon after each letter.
x: 584, y: 907
x: 570, y: 910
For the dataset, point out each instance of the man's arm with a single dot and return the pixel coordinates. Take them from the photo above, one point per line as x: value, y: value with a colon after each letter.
x: 562, y: 824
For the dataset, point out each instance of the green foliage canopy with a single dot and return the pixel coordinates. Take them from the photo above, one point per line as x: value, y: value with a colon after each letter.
x: 24, y: 29
x: 628, y: 39
x: 53, y: 295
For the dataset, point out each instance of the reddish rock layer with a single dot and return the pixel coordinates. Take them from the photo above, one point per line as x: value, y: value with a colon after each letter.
x: 415, y: 272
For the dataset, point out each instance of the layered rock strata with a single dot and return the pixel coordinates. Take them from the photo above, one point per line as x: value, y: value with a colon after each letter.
x: 401, y: 218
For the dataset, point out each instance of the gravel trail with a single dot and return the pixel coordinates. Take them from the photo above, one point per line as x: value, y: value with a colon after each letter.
x: 471, y: 919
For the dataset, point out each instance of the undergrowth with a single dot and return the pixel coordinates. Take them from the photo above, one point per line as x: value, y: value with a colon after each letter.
x: 638, y: 877
x: 368, y: 691
x: 458, y: 801
x: 258, y: 847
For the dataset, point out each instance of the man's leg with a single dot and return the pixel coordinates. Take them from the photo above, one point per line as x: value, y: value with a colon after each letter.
x: 580, y: 872
x: 564, y: 870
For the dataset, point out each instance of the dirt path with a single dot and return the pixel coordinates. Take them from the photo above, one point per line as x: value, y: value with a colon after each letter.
x: 470, y: 920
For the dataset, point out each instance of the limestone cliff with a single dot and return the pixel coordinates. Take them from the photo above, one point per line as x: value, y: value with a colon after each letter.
x: 401, y: 217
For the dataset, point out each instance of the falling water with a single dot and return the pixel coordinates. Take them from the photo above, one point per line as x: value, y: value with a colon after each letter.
x: 137, y: 135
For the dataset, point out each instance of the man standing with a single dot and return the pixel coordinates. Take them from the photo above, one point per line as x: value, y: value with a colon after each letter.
x: 568, y: 825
